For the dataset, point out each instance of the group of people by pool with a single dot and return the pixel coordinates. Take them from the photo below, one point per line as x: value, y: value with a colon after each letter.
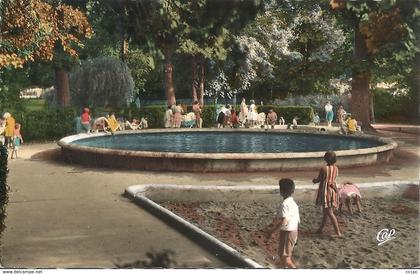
x: 106, y: 123
x: 346, y: 121
x: 10, y: 135
x: 249, y: 117
x: 329, y: 197
x: 175, y: 116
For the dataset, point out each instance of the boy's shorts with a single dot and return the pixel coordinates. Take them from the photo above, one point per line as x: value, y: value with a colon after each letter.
x: 287, y: 242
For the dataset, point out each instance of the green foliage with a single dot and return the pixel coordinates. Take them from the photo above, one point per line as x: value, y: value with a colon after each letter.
x: 4, y: 188
x: 304, y: 114
x: 209, y: 116
x: 141, y: 66
x: 392, y: 108
x: 47, y: 124
x: 33, y: 104
x: 153, y: 114
x: 101, y: 82
x: 11, y: 81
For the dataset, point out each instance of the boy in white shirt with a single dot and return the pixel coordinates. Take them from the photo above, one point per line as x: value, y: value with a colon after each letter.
x: 287, y: 220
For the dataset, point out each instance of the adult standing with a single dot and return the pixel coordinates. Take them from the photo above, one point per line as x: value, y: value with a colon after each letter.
x: 341, y: 115
x: 329, y: 114
x: 10, y: 127
x: 85, y: 119
x: 168, y: 120
x: 177, y: 110
x: 253, y: 114
x: 271, y: 118
x: 243, y: 112
x: 341, y: 118
x: 197, y: 111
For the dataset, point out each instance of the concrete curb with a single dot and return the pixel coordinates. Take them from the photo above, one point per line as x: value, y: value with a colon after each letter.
x: 138, y: 194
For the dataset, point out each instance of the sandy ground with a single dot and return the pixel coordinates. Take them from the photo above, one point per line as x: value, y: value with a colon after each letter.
x: 242, y: 225
x: 62, y: 215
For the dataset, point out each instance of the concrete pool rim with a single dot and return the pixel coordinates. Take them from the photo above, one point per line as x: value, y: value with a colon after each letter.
x: 214, y: 162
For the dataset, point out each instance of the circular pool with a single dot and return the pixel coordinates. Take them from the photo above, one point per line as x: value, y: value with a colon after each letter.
x: 221, y: 150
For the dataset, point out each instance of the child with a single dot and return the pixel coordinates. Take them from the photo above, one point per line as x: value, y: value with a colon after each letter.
x: 327, y: 196
x: 316, y: 120
x: 16, y: 140
x: 347, y: 193
x: 288, y: 220
x: 295, y: 124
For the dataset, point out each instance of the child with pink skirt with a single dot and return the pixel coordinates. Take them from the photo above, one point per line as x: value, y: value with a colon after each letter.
x: 349, y: 193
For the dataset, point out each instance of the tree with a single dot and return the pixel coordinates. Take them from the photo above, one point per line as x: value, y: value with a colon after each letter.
x: 379, y: 31
x: 102, y: 82
x: 158, y: 25
x: 211, y: 26
x: 35, y: 30
x: 283, y: 49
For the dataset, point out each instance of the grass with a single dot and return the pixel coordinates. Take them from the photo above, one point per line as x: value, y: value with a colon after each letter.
x: 34, y: 104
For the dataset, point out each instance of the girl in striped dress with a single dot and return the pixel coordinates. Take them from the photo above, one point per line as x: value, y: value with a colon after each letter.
x: 327, y: 196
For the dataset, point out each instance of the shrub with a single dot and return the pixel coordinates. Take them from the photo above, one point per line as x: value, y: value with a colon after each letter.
x: 52, y: 123
x: 4, y: 197
x: 304, y: 113
x: 101, y: 82
x: 316, y: 101
x: 391, y: 108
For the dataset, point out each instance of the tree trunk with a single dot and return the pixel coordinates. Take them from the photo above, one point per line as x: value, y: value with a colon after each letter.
x: 124, y: 47
x: 193, y: 78
x: 169, y: 84
x: 62, y: 87
x: 201, y: 82
x: 360, y: 101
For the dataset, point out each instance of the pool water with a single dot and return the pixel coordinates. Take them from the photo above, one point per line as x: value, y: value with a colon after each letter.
x: 227, y: 142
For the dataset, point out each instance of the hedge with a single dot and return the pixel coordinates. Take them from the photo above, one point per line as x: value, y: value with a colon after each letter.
x: 305, y: 114
x: 55, y: 123
x: 392, y: 108
x: 4, y: 188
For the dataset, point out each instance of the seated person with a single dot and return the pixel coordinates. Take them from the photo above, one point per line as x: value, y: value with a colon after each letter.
x: 188, y: 120
x: 271, y: 118
x: 261, y: 119
x: 134, y: 124
x: 282, y: 121
x: 351, y: 124
x: 100, y: 124
x: 144, y: 123
x: 113, y: 123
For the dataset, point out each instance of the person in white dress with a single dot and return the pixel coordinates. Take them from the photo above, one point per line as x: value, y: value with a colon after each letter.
x: 329, y: 114
x: 243, y: 112
x: 252, y: 113
x: 168, y: 120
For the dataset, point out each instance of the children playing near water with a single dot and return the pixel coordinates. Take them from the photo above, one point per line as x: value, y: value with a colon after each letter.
x: 347, y: 194
x: 17, y: 140
x: 327, y: 196
x: 288, y: 221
